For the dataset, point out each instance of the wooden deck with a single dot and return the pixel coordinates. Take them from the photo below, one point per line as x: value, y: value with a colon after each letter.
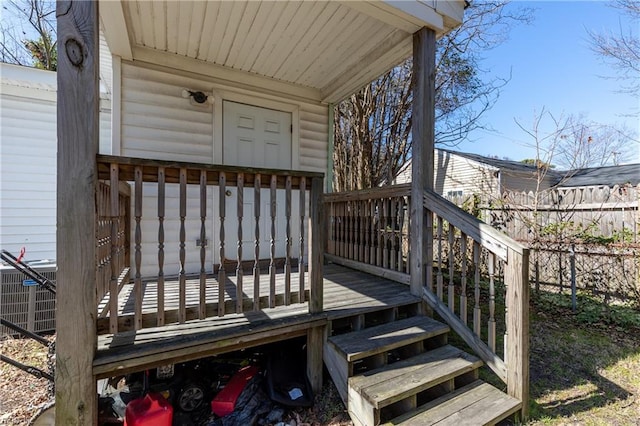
x: 347, y: 293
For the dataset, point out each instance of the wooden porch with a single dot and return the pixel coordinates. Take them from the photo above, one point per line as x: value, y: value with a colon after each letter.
x: 347, y: 294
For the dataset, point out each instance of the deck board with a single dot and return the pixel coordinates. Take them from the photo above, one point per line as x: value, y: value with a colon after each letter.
x: 346, y: 292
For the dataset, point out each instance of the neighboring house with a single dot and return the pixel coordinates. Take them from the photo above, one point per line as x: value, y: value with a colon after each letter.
x: 625, y: 174
x: 460, y: 174
x: 28, y: 143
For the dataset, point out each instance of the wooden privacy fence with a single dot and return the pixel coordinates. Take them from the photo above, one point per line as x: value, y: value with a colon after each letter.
x: 173, y: 211
x: 603, y: 211
x: 479, y: 280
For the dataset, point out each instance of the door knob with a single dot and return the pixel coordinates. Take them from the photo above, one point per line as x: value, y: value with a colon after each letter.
x: 228, y: 193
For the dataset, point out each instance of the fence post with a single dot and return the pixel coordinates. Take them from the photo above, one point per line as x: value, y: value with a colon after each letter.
x: 572, y: 263
x: 516, y: 276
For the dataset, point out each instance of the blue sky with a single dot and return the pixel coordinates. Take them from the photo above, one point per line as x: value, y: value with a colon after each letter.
x: 553, y: 67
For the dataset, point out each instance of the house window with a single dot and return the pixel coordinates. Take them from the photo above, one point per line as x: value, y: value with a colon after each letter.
x: 454, y: 194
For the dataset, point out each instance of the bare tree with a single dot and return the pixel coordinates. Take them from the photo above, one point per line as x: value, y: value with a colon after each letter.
x: 622, y: 48
x: 373, y: 127
x: 28, y: 33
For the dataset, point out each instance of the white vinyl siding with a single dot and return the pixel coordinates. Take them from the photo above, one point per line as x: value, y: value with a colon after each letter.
x: 314, y: 137
x: 28, y: 176
x: 454, y: 174
x: 158, y: 123
x: 28, y: 158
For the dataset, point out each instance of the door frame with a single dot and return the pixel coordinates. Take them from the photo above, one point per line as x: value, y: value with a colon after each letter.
x: 221, y: 94
x: 248, y: 98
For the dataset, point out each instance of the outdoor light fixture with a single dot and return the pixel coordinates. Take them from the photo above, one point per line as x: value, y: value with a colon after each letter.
x: 197, y: 97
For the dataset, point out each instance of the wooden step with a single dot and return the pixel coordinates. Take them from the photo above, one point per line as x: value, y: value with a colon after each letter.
x: 383, y: 338
x: 397, y: 381
x: 478, y: 403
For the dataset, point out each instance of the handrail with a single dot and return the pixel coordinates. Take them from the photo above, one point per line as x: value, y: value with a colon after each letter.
x: 369, y: 194
x: 488, y: 236
x: 514, y: 369
x: 474, y: 267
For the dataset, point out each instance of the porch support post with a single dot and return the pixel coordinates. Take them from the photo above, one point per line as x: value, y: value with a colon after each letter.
x: 78, y: 103
x: 315, y: 347
x: 516, y: 276
x: 422, y: 132
x: 316, y: 251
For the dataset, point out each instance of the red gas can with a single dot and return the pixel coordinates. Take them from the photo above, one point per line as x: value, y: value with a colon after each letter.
x: 150, y: 410
x: 225, y: 401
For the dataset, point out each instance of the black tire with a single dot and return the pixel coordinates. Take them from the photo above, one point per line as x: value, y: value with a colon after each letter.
x: 190, y: 397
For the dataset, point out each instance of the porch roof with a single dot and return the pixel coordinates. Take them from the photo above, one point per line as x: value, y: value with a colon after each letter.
x: 320, y: 50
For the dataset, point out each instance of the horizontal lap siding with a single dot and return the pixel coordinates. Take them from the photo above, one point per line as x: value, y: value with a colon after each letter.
x: 158, y: 123
x: 28, y: 176
x: 314, y: 137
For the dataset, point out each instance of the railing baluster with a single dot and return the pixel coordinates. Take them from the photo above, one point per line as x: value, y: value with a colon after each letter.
x: 401, y: 214
x: 360, y: 226
x: 239, y: 275
x: 272, y: 247
x: 385, y: 234
x: 379, y: 231
x: 491, y: 332
x: 161, y: 204
x: 256, y: 244
x: 350, y: 230
x: 113, y: 282
x: 463, y: 278
x: 202, y: 311
x: 451, y: 291
x: 392, y: 234
x: 222, y: 278
x: 301, y: 268
x: 372, y: 232
x: 287, y: 256
x: 366, y: 230
x: 343, y: 229
x: 182, y: 299
x: 138, y: 246
x: 476, y: 280
x: 439, y: 279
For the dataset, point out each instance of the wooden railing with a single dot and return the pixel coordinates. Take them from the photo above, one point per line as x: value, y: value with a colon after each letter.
x: 479, y: 278
x: 477, y: 309
x: 369, y: 229
x: 112, y: 238
x: 154, y: 210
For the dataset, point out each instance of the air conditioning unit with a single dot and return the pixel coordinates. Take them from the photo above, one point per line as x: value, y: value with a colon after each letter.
x: 24, y: 303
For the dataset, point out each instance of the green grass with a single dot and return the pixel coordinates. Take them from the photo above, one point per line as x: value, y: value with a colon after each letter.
x: 585, y: 366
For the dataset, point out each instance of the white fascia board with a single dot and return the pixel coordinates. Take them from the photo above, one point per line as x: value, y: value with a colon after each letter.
x: 451, y: 10
x: 115, y: 29
x: 420, y: 13
x: 390, y: 53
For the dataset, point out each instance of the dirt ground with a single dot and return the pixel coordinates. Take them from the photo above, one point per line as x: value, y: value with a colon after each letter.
x: 22, y: 396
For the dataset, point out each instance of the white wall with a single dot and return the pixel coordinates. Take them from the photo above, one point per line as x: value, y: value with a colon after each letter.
x: 28, y: 146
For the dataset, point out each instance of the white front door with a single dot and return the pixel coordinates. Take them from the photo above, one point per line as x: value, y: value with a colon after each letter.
x: 255, y: 137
